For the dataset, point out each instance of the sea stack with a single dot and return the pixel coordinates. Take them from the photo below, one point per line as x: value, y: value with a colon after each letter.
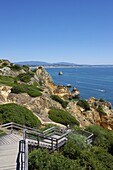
x: 60, y: 73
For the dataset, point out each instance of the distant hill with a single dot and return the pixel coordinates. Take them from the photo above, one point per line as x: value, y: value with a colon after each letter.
x: 41, y: 63
x: 58, y: 64
x: 33, y: 63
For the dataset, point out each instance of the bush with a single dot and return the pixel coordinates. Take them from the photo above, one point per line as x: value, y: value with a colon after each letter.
x: 84, y: 104
x: 25, y: 67
x: 15, y: 67
x: 101, y: 111
x: 58, y: 99
x: 7, y: 80
x: 18, y: 114
x: 101, y: 100
x: 4, y: 64
x: 63, y: 117
x: 71, y: 149
x: 24, y: 88
x: 43, y: 160
x: 102, y: 137
x: 25, y: 77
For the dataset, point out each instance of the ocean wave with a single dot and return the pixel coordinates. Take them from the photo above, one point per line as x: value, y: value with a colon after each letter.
x: 89, y: 83
x: 100, y: 90
x: 93, y: 89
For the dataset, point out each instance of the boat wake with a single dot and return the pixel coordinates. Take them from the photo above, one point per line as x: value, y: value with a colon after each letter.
x: 100, y: 90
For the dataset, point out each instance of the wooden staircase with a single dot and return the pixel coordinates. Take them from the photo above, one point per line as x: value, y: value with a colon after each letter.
x: 14, y: 146
x: 9, y: 147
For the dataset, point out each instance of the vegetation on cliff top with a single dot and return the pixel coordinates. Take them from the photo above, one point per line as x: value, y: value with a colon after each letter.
x: 101, y: 111
x: 15, y: 113
x: 63, y: 117
x: 7, y: 80
x: 84, y: 104
x: 33, y: 91
x: 61, y: 101
x: 25, y: 77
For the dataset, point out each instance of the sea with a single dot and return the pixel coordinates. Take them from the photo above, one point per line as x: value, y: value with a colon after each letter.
x: 90, y: 81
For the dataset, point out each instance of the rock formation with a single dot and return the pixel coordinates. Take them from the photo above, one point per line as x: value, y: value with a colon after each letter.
x: 41, y: 105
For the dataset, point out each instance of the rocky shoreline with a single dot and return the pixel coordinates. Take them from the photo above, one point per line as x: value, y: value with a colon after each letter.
x: 41, y: 105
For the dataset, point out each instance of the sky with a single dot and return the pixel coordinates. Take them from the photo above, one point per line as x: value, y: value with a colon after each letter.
x: 75, y: 31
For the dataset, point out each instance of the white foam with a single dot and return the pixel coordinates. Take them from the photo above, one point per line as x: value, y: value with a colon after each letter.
x: 101, y: 90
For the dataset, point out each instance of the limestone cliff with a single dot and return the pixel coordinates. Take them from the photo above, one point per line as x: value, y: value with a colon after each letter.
x: 93, y: 116
x: 41, y: 105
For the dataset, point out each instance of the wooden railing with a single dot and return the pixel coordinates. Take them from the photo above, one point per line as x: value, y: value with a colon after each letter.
x: 52, y: 139
x: 21, y: 156
x: 14, y: 127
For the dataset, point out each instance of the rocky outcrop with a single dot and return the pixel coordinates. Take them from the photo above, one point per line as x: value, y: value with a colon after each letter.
x: 65, y: 93
x: 92, y: 116
x: 21, y: 99
x: 75, y: 93
x: 4, y: 92
x: 6, y: 71
x: 62, y: 91
x: 39, y: 105
x: 42, y: 76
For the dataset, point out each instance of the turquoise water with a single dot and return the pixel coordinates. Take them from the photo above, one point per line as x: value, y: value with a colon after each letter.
x: 91, y: 82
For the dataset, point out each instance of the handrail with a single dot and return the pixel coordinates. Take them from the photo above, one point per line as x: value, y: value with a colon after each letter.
x: 20, y: 159
x: 18, y: 126
x: 49, y: 130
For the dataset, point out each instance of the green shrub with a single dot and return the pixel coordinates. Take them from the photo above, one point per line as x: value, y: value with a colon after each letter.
x: 71, y: 149
x: 18, y: 114
x: 33, y: 91
x: 102, y: 137
x: 42, y: 160
x: 24, y: 88
x: 25, y: 67
x: 40, y: 67
x: 101, y: 111
x: 25, y: 77
x: 15, y: 67
x: 84, y: 104
x: 58, y: 99
x: 101, y: 100
x: 7, y: 80
x: 63, y: 117
x: 4, y: 64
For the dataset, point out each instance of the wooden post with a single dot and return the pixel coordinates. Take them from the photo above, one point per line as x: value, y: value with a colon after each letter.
x: 11, y: 127
x: 25, y: 150
x: 52, y: 143
x: 37, y: 141
x: 57, y: 144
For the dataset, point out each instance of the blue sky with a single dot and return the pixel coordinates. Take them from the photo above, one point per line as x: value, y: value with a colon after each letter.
x: 79, y: 31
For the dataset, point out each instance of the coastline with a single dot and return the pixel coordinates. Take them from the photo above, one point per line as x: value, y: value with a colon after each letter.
x: 83, y: 66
